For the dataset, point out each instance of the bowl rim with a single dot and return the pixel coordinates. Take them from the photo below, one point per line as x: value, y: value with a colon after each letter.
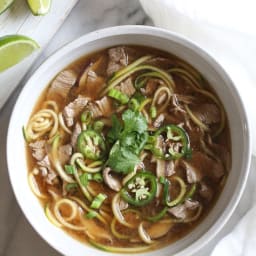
x: 158, y: 32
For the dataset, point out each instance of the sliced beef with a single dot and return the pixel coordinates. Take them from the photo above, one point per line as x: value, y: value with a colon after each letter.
x: 207, y: 113
x: 193, y: 174
x: 77, y: 130
x: 64, y: 152
x: 206, y: 191
x: 73, y: 109
x: 202, y: 166
x: 102, y: 107
x: 159, y: 120
x: 182, y: 211
x: 161, y: 62
x: 118, y: 58
x: 223, y: 154
x: 90, y: 82
x: 62, y: 84
x: 38, y: 149
x: 151, y: 86
x: 47, y: 171
x: 169, y: 168
x: 126, y: 87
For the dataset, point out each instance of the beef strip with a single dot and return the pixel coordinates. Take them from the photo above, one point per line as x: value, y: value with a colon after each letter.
x: 38, y: 149
x: 207, y: 113
x: 151, y: 86
x: 118, y: 59
x: 159, y: 120
x: 102, y: 107
x: 126, y: 87
x: 90, y: 83
x: 77, y: 130
x: 47, y: 171
x: 206, y: 191
x: 202, y: 166
x: 182, y: 211
x: 62, y: 84
x: 64, y: 153
x: 73, y: 109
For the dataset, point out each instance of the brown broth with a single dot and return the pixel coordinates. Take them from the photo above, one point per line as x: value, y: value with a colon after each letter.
x: 179, y: 230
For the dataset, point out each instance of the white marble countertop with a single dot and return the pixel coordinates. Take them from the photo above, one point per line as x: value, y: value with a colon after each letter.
x: 17, y: 237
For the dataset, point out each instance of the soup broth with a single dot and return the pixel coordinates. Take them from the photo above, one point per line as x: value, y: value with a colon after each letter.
x: 128, y: 149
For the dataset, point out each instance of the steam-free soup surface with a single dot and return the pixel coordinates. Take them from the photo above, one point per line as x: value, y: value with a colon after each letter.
x: 128, y: 149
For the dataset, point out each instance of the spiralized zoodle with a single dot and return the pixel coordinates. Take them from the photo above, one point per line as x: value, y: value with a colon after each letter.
x: 130, y: 151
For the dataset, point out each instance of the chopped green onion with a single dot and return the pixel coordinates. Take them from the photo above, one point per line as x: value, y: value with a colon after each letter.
x: 91, y: 214
x: 119, y: 96
x: 69, y: 169
x: 162, y: 179
x: 98, y: 126
x: 98, y: 200
x: 153, y: 112
x: 86, y: 117
x: 84, y: 178
x: 71, y: 186
x: 97, y: 177
x: 134, y: 104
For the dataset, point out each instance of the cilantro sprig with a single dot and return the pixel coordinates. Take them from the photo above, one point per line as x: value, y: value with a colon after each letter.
x: 128, y: 138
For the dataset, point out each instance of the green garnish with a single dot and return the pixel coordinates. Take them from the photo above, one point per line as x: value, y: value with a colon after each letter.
x: 129, y: 139
x: 98, y: 200
x: 140, y: 189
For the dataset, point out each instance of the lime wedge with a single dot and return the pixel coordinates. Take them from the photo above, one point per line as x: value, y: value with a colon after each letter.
x: 14, y: 48
x: 5, y: 4
x: 39, y: 7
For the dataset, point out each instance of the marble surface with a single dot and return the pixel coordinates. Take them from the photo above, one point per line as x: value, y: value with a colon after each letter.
x: 17, y: 237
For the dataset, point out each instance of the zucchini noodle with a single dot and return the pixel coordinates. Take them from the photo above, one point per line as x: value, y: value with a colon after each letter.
x: 144, y: 235
x: 115, y: 232
x: 157, y: 95
x: 182, y: 193
x: 56, y: 162
x: 42, y: 122
x: 94, y: 167
x: 87, y: 209
x: 144, y: 103
x: 51, y: 217
x: 34, y: 187
x: 63, y: 220
x: 201, y: 125
x: 119, y: 249
x: 214, y: 99
x: 117, y: 212
x: 63, y: 125
x: 187, y: 74
x: 83, y: 188
x: 130, y: 67
x: 119, y: 79
x: 52, y: 104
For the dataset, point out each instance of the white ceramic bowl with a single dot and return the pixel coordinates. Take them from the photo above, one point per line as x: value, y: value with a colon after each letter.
x: 137, y: 35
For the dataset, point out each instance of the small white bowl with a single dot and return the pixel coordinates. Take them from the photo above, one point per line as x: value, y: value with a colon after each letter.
x: 136, y: 35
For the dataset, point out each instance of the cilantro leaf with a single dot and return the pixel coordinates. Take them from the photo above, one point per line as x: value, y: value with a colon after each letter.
x: 134, y: 122
x: 115, y: 131
x: 121, y: 159
x: 129, y: 139
x: 134, y: 141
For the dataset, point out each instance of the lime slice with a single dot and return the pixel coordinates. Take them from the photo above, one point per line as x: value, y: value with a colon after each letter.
x: 14, y: 48
x: 39, y: 7
x: 5, y: 4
